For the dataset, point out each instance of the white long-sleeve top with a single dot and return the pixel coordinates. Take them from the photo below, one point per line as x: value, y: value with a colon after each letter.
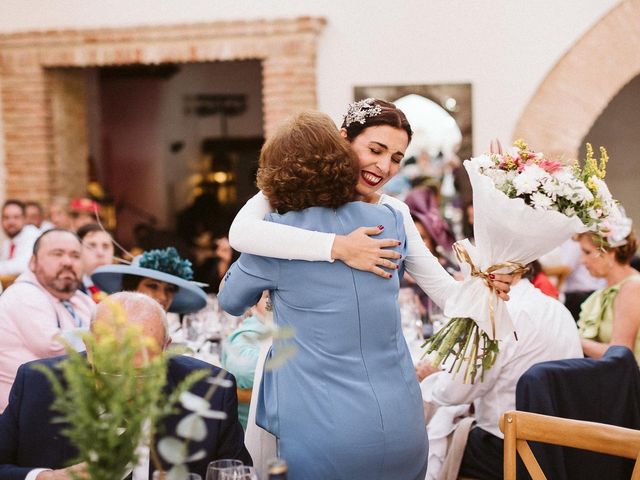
x: 23, y: 242
x: 546, y: 331
x: 250, y: 233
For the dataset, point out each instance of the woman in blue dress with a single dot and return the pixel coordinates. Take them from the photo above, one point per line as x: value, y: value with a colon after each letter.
x: 347, y: 405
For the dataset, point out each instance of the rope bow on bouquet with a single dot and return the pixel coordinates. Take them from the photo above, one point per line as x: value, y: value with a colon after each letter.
x: 525, y: 205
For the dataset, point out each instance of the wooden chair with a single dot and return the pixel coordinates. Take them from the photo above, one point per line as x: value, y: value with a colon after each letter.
x: 518, y: 427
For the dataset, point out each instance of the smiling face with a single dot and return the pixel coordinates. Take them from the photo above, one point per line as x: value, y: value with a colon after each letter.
x: 161, y: 292
x: 380, y: 150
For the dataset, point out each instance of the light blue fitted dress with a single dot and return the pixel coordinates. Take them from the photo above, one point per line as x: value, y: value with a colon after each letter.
x: 347, y: 405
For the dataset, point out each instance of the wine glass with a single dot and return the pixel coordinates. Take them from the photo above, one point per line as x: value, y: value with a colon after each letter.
x: 436, y: 316
x: 215, y: 468
x: 239, y: 473
x: 158, y: 475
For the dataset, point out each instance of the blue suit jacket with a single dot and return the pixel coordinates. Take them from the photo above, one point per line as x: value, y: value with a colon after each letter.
x: 28, y: 438
x: 605, y: 390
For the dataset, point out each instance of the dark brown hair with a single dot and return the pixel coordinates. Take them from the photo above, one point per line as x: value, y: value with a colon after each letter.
x: 307, y: 163
x: 390, y: 115
x: 130, y: 282
x: 623, y: 254
x: 13, y: 201
x: 85, y: 230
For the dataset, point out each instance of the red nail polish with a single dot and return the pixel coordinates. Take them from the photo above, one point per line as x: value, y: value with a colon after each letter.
x: 380, y: 227
x: 492, y: 276
x: 389, y: 275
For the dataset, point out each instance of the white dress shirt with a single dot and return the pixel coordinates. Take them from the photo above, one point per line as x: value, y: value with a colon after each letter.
x: 546, y: 331
x: 22, y: 252
x: 579, y: 280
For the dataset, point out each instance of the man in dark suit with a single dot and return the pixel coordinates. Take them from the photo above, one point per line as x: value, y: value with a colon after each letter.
x: 33, y: 447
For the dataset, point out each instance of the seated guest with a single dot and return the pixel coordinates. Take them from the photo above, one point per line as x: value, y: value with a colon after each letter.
x: 611, y: 315
x: 58, y: 213
x: 161, y: 274
x: 82, y: 211
x: 97, y: 250
x: 16, y: 250
x: 546, y: 331
x: 32, y: 442
x: 42, y: 304
x: 34, y: 215
x: 541, y: 281
x: 579, y: 283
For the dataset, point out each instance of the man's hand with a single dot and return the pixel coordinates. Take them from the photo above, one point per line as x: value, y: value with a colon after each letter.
x: 80, y: 470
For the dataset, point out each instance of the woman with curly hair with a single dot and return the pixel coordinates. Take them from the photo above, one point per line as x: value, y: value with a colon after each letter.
x: 379, y: 134
x: 347, y: 403
x: 611, y: 315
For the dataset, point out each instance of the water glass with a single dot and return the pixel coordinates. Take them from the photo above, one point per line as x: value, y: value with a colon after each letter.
x: 215, y: 468
x: 436, y: 316
x: 157, y: 475
x: 239, y: 473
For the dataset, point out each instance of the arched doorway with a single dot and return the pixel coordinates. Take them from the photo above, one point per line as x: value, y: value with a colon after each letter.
x: 583, y: 83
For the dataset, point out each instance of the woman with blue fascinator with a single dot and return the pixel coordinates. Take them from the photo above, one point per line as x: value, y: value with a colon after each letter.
x: 161, y: 274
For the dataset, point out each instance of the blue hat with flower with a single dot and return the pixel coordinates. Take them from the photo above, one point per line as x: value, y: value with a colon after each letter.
x: 163, y: 265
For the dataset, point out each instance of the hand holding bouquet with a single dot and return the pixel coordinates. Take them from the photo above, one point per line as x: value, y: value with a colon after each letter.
x: 524, y: 206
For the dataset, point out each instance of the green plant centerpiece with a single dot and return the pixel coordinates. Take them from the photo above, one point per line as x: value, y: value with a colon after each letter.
x: 110, y: 399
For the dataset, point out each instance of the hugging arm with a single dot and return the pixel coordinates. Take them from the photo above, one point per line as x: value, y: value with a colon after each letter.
x: 245, y: 281
x: 250, y: 233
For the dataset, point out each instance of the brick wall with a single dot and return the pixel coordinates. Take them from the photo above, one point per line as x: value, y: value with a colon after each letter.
x: 42, y: 111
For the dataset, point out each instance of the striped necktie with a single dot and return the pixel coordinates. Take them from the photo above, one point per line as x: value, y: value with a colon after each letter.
x: 76, y: 320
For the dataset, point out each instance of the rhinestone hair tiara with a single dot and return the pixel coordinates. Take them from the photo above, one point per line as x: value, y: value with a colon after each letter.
x: 359, y: 111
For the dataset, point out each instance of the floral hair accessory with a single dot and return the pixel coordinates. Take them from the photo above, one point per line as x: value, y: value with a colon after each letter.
x: 360, y: 110
x: 167, y: 261
x: 616, y: 228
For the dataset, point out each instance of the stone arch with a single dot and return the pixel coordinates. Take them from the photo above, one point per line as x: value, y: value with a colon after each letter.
x: 583, y: 82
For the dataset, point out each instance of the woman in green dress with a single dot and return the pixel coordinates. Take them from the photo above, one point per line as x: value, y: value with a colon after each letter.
x: 611, y: 315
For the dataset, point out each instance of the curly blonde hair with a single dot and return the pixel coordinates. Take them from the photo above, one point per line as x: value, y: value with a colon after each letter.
x: 306, y: 163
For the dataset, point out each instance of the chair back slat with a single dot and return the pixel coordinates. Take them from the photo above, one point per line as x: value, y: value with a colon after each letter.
x: 530, y: 461
x: 519, y: 427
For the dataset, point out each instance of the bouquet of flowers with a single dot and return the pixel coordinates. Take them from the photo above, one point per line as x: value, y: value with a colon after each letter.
x: 525, y: 205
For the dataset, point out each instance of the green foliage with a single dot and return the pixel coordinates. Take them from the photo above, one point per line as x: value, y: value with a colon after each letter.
x: 469, y: 346
x: 104, y: 399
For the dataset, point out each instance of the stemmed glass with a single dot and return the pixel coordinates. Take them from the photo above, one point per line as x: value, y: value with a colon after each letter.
x: 157, y: 475
x: 436, y: 316
x: 239, y: 473
x: 215, y: 468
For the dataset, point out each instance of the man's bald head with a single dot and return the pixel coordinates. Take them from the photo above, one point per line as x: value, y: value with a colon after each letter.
x: 138, y: 309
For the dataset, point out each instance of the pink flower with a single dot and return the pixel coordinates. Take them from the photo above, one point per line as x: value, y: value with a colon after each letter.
x: 550, y: 166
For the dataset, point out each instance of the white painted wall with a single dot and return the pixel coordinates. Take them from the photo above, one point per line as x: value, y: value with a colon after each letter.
x: 503, y: 47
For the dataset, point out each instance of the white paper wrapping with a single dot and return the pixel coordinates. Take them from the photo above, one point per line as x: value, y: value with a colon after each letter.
x: 505, y: 230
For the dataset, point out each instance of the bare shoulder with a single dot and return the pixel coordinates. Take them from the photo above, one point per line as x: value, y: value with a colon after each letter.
x: 628, y: 299
x: 631, y: 288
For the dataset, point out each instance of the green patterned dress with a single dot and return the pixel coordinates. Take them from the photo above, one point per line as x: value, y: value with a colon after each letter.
x: 596, y: 315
